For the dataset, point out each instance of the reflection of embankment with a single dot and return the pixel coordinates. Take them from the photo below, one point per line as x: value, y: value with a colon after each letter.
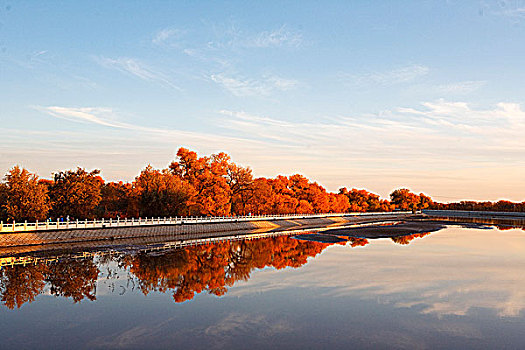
x: 183, y: 272
x: 401, y: 233
x: 507, y: 223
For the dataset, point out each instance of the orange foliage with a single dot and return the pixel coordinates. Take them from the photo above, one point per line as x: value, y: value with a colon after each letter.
x: 408, y: 238
x: 358, y: 242
x: 71, y: 278
x: 215, y: 267
x: 198, y: 186
x: 364, y: 201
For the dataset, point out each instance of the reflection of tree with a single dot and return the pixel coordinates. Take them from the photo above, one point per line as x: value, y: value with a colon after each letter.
x: 74, y: 279
x: 70, y: 278
x: 21, y: 284
x: 215, y: 267
x: 408, y: 238
x: 183, y: 272
x: 358, y: 242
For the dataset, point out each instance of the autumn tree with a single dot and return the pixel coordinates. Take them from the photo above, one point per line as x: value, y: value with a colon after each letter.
x: 207, y: 177
x: 261, y: 201
x: 339, y: 203
x: 23, y: 197
x: 115, y: 199
x: 161, y: 193
x: 240, y: 181
x: 76, y: 193
x: 404, y: 199
x: 364, y: 201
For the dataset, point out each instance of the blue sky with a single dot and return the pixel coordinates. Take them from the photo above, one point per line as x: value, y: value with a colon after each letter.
x: 367, y: 94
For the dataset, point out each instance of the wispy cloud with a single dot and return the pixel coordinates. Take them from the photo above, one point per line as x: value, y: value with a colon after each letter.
x: 275, y: 38
x: 462, y: 87
x: 248, y: 87
x: 136, y: 68
x: 167, y: 37
x: 230, y: 39
x: 108, y: 117
x: 405, y: 140
x: 512, y: 9
x: 395, y: 76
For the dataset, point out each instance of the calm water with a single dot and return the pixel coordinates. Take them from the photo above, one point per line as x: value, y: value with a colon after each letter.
x: 458, y: 287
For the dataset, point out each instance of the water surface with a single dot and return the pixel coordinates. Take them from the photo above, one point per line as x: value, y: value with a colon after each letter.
x: 457, y: 287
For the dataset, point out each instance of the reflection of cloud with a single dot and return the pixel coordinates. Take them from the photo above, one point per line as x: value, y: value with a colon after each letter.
x: 446, y: 273
x: 236, y: 324
x: 137, y: 336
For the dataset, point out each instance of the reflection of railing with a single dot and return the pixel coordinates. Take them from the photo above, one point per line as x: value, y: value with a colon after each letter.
x: 105, y: 223
x: 169, y: 245
x: 475, y: 213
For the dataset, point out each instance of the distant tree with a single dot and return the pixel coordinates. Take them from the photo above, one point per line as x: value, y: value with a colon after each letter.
x: 404, y: 199
x: 425, y: 201
x: 76, y: 193
x: 22, y: 197
x: 364, y: 201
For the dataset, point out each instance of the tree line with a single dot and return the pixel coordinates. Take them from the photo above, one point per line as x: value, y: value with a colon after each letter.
x: 191, y: 185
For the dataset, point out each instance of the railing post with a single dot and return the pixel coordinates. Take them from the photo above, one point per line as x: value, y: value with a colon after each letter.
x: 36, y: 226
x: 76, y: 225
x: 110, y: 222
x: 102, y: 222
x: 13, y: 225
x: 25, y: 225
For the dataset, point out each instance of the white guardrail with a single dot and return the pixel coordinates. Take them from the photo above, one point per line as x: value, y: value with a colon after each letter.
x: 129, y: 222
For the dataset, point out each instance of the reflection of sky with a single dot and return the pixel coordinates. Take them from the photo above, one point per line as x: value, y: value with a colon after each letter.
x: 456, y: 288
x: 446, y: 273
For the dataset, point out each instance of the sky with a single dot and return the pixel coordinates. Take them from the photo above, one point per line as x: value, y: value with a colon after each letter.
x: 368, y: 94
